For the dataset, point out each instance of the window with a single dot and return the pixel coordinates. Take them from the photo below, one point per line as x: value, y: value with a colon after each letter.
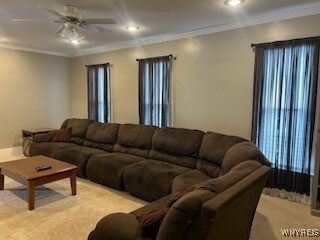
x: 155, y: 76
x: 286, y: 76
x: 99, y: 101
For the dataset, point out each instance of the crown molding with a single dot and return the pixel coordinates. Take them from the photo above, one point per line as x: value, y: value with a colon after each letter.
x: 306, y: 10
x: 34, y: 50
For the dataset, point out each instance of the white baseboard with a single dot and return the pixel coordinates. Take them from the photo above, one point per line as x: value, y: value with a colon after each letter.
x: 9, y: 152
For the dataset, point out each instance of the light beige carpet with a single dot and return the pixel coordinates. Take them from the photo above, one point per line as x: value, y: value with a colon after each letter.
x: 60, y: 216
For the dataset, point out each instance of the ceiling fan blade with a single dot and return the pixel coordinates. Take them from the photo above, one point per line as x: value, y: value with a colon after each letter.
x: 96, y: 28
x: 25, y: 20
x: 100, y: 21
x: 54, y: 12
x: 60, y: 29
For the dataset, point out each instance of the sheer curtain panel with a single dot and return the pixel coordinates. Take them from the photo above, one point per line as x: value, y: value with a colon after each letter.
x: 285, y: 89
x: 99, y: 101
x: 155, y: 76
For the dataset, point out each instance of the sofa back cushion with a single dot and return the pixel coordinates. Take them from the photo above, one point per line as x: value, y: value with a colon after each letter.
x: 176, y: 145
x: 213, y: 148
x: 102, y: 135
x: 242, y: 152
x: 134, y: 139
x: 79, y: 129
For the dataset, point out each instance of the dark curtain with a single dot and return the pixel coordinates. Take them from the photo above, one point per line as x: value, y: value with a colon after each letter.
x: 285, y: 89
x: 99, y: 106
x: 154, y: 91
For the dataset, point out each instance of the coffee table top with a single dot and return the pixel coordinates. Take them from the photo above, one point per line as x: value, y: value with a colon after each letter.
x: 26, y: 167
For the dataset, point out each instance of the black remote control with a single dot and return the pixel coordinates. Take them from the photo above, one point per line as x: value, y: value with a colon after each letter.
x: 42, y: 167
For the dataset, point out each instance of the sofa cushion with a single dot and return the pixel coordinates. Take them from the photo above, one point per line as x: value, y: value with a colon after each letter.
x: 151, y: 180
x: 177, y: 146
x: 178, y: 141
x: 79, y: 128
x: 209, y: 168
x: 215, y: 145
x: 134, y: 139
x: 117, y: 226
x: 188, y: 179
x: 62, y: 135
x: 107, y: 169
x: 102, y: 135
x: 48, y: 149
x: 78, y: 156
x: 242, y: 152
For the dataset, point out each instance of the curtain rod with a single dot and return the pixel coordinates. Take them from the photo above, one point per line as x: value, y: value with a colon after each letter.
x: 170, y: 56
x: 281, y: 41
x: 100, y: 64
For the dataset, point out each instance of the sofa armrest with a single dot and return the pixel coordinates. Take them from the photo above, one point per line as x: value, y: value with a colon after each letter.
x: 117, y: 226
x: 230, y: 214
x: 43, y: 137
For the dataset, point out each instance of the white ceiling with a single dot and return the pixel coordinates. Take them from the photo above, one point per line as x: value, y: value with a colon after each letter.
x: 159, y: 20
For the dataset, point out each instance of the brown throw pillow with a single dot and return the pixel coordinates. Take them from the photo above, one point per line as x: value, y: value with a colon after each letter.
x: 63, y: 135
x: 152, y: 218
x: 150, y: 221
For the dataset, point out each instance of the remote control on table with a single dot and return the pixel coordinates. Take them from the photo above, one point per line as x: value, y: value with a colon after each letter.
x: 42, y: 167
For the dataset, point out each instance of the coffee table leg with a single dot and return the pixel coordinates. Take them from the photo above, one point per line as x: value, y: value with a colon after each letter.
x: 1, y: 181
x: 31, y: 195
x: 73, y: 182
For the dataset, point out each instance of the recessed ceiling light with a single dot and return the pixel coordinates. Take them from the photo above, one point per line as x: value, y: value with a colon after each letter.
x: 233, y: 3
x: 132, y: 28
x: 75, y: 41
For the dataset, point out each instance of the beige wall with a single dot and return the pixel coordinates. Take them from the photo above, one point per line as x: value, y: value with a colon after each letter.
x: 34, y: 92
x: 213, y: 76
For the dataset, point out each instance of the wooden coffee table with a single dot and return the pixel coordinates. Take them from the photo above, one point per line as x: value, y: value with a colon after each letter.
x: 23, y: 171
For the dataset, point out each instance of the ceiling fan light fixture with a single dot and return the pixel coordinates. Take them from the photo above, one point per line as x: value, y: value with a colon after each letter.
x: 75, y: 41
x: 233, y: 3
x: 132, y: 28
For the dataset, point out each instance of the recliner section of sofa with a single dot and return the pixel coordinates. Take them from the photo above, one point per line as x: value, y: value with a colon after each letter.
x: 99, y: 139
x: 174, y: 152
x: 133, y: 145
x: 50, y: 149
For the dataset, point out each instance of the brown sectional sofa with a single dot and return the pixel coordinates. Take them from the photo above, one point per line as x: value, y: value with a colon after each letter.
x: 153, y: 164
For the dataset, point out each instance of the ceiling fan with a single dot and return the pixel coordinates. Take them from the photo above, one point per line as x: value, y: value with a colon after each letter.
x: 71, y: 20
